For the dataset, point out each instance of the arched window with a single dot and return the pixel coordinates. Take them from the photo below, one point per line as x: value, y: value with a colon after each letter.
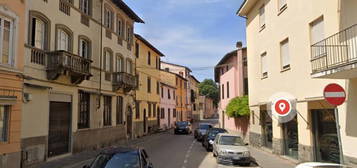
x: 84, y: 47
x: 39, y: 30
x: 63, y: 38
x: 119, y: 63
x: 129, y: 66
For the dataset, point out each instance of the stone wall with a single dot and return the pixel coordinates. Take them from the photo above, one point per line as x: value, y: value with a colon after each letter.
x: 10, y: 160
x: 255, y: 139
x: 138, y: 128
x: 91, y: 139
x: 152, y: 126
x: 278, y: 146
x: 305, y: 153
x: 34, y: 150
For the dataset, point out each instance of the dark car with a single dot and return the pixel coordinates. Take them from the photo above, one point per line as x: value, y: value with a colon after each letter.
x: 208, y: 138
x: 183, y: 127
x: 121, y: 158
x: 201, y: 130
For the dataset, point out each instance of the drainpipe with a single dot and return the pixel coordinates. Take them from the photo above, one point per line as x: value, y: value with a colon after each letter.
x: 101, y: 53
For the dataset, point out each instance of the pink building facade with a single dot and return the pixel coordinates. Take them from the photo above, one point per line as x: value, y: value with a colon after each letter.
x: 168, y: 112
x: 231, y: 75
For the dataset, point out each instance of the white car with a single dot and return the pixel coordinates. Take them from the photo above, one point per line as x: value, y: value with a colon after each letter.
x: 231, y: 149
x: 320, y: 165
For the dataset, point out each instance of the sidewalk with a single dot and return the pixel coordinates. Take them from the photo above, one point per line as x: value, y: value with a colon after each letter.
x: 269, y: 160
x: 75, y: 160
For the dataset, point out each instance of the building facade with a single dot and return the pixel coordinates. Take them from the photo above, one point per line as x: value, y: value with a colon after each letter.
x: 300, y: 56
x: 194, y: 98
x: 168, y: 113
x: 79, y: 77
x: 231, y: 75
x: 12, y: 21
x: 206, y: 108
x: 181, y: 96
x: 185, y: 72
x: 148, y: 93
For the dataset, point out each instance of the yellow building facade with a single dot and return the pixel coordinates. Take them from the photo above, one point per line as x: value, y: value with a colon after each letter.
x: 148, y: 92
x: 194, y: 85
x: 181, y: 96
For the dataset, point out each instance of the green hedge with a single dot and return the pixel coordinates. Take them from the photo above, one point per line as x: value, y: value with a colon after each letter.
x: 238, y: 107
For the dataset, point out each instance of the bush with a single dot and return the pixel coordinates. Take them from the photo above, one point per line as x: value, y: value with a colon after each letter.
x: 238, y: 107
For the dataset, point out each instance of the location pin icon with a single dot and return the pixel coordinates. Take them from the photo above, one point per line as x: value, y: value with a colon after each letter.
x: 282, y: 106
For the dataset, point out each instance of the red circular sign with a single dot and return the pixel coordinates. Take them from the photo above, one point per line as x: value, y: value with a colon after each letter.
x: 282, y: 107
x: 334, y: 94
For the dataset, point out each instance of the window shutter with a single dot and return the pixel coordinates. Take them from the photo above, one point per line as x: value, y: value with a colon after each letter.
x: 105, y: 60
x: 284, y: 50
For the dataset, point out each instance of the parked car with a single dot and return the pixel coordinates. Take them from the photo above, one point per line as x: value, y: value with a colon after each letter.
x: 231, y: 149
x: 320, y: 165
x: 201, y: 130
x: 183, y: 127
x: 208, y: 138
x: 121, y: 158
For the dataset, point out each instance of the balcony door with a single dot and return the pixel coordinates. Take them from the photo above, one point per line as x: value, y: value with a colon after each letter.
x: 62, y: 40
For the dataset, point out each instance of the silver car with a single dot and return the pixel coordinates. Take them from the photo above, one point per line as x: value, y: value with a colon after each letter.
x: 231, y: 149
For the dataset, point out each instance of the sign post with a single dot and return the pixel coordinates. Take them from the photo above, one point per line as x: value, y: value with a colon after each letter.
x: 335, y: 95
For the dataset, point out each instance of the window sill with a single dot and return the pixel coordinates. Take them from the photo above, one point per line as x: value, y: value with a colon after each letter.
x: 285, y: 69
x: 262, y: 28
x: 282, y: 9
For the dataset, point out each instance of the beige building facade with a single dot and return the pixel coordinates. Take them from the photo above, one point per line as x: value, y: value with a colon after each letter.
x: 12, y: 28
x: 79, y: 77
x: 194, y: 98
x: 284, y: 41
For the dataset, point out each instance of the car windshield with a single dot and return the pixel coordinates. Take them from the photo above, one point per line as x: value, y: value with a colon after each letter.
x: 204, y: 126
x: 213, y: 133
x: 120, y: 160
x: 182, y: 123
x: 231, y: 140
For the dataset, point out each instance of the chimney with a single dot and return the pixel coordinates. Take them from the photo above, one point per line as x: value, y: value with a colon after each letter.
x: 239, y: 45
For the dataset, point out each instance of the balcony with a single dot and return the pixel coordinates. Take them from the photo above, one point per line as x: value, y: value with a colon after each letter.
x: 124, y: 80
x: 66, y: 63
x: 336, y: 56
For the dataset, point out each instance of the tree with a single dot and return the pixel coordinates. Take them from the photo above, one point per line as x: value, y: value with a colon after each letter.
x: 210, y: 89
x: 238, y: 107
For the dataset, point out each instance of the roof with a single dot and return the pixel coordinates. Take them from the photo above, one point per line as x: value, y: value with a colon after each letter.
x: 115, y: 150
x: 127, y: 10
x: 148, y: 44
x: 245, y: 7
x: 223, y: 61
x: 164, y: 84
x: 194, y: 78
x: 177, y: 65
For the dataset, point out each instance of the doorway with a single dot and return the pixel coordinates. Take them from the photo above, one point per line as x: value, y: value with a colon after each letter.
x: 59, y: 128
x: 291, y: 138
x: 129, y: 122
x: 267, y: 129
x: 325, y: 136
x: 144, y: 122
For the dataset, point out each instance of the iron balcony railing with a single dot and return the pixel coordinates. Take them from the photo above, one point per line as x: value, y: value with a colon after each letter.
x: 335, y: 51
x: 124, y: 80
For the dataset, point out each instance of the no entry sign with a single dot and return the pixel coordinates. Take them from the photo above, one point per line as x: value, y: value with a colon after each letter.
x: 334, y: 94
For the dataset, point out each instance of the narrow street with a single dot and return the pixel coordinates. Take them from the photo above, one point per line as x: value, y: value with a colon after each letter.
x: 167, y: 150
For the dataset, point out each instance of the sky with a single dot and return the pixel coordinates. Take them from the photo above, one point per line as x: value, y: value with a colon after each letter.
x: 193, y: 33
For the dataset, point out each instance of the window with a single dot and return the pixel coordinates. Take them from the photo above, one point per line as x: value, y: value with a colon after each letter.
x: 108, y: 18
x: 129, y: 34
x: 149, y: 108
x: 317, y: 32
x: 107, y: 112
x: 149, y: 58
x: 107, y: 60
x: 120, y: 29
x: 282, y: 4
x: 137, y: 50
x: 174, y: 94
x: 84, y: 110
x: 84, y: 48
x: 120, y: 110
x: 185, y: 85
x: 84, y: 6
x: 137, y: 110
x: 129, y: 66
x: 6, y: 41
x: 157, y: 88
x: 39, y: 28
x: 222, y: 91
x: 168, y: 70
x: 149, y: 85
x: 119, y: 63
x: 174, y: 113
x: 181, y: 73
x: 194, y: 107
x: 168, y: 93
x: 262, y: 17
x: 162, y: 92
x: 4, y: 122
x: 157, y: 63
x: 64, y: 38
x: 227, y: 89
x: 285, y: 56
x: 264, y: 65
x: 162, y: 113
